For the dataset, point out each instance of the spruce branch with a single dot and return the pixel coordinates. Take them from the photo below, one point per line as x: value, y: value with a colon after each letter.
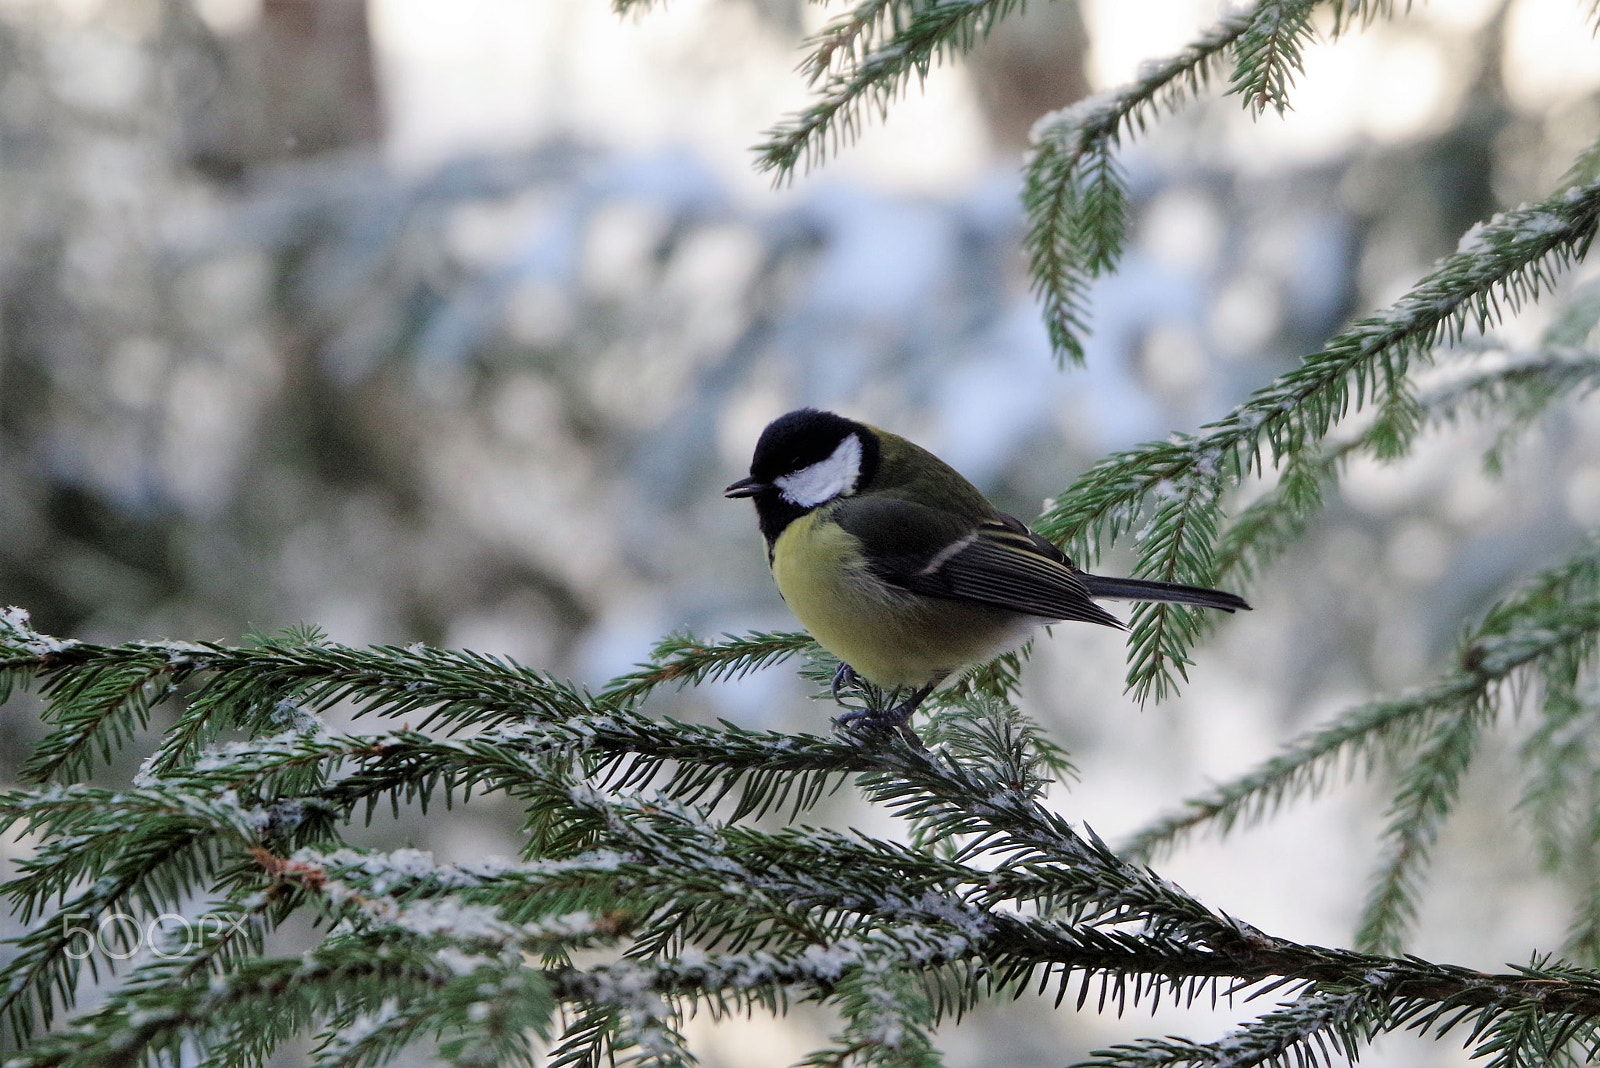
x: 907, y: 926
x: 145, y: 848
x: 1363, y: 13
x: 1513, y: 387
x: 248, y: 688
x: 622, y: 751
x: 1174, y: 546
x: 1522, y: 1039
x: 887, y: 1020
x: 1582, y: 943
x: 862, y: 61
x: 1265, y: 527
x: 1498, y: 265
x: 152, y: 1017
x: 1428, y: 790
x: 1000, y: 678
x: 1528, y: 632
x: 251, y: 687
x: 715, y: 915
x: 1559, y: 807
x: 1309, y: 1030
x: 1559, y: 765
x: 1073, y: 191
x: 684, y: 660
x: 1586, y: 167
x: 100, y: 710
x: 849, y: 39
x: 1268, y: 54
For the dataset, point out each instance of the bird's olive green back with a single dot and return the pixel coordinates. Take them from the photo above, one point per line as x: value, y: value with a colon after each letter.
x: 910, y: 472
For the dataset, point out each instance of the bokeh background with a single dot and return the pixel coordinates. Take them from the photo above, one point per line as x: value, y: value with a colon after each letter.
x: 447, y: 320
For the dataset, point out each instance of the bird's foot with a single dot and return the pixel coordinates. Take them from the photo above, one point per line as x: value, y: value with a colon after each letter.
x: 844, y: 676
x: 894, y: 718
x: 870, y: 719
x: 878, y: 723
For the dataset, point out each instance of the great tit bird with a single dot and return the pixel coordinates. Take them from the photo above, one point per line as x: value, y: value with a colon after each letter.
x: 899, y: 567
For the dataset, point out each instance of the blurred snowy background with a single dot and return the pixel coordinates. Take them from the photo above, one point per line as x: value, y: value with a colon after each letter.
x: 447, y: 320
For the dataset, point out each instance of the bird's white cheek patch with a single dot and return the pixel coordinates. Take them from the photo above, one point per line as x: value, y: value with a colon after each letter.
x: 825, y: 479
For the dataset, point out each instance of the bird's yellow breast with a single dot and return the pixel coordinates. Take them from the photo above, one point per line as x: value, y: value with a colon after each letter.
x: 890, y: 636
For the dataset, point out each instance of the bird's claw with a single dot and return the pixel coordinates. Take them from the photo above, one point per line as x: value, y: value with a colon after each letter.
x: 877, y: 721
x: 895, y: 717
x: 844, y: 676
x: 871, y: 719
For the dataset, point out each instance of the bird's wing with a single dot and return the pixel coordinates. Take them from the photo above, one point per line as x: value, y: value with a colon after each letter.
x: 995, y: 561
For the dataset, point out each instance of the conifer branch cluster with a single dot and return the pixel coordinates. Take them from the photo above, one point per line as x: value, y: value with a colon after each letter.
x: 1173, y: 487
x: 647, y: 892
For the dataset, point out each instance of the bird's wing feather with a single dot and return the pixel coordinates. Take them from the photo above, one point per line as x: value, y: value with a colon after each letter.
x: 995, y: 561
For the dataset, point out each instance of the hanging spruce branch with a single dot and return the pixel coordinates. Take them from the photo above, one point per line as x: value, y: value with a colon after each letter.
x: 862, y: 61
x: 1073, y: 191
x: 1535, y: 636
x: 1528, y: 656
x: 1270, y: 52
x: 1498, y: 266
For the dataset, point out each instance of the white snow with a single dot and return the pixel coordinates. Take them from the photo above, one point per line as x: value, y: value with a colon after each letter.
x: 15, y: 629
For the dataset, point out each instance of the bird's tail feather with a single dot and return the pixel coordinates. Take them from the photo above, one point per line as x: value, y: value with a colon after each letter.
x: 1125, y: 589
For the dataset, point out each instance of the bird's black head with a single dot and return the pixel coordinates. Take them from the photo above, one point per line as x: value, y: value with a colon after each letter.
x: 804, y: 460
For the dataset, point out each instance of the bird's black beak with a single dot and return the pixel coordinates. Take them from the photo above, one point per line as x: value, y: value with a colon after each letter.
x: 745, y: 487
